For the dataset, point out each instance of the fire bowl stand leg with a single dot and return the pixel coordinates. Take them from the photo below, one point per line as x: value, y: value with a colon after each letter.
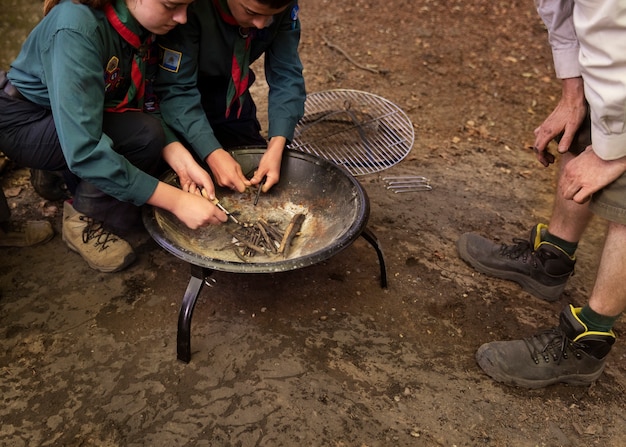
x: 370, y: 237
x: 198, y: 278
x: 183, y: 342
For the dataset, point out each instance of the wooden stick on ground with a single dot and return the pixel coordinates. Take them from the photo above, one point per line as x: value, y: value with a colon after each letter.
x: 347, y: 56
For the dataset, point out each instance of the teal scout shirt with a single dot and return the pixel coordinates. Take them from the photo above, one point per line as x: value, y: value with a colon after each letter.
x: 72, y: 62
x: 203, y: 47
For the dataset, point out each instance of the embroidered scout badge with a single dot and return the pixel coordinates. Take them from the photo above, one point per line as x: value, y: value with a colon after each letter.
x: 170, y: 59
x: 294, y: 16
x: 112, y: 78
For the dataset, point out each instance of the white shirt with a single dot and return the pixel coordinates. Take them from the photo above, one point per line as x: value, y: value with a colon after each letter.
x: 592, y: 35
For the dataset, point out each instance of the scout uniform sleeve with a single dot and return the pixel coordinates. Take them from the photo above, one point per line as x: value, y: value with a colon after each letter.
x: 76, y: 88
x: 283, y: 72
x: 175, y: 85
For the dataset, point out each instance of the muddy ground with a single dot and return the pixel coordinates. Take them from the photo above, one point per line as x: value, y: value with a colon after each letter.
x: 323, y: 356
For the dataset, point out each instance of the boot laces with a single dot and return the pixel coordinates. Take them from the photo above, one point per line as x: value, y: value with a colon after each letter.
x: 96, y: 232
x: 521, y: 249
x: 551, y: 344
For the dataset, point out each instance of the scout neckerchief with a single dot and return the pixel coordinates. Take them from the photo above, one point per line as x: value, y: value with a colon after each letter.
x: 239, y: 71
x: 121, y: 21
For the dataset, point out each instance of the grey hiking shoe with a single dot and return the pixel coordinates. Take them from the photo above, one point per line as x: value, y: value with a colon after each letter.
x: 102, y: 250
x: 541, y: 268
x: 568, y: 353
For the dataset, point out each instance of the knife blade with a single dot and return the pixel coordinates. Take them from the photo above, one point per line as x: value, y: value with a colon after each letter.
x: 220, y: 206
x: 217, y: 203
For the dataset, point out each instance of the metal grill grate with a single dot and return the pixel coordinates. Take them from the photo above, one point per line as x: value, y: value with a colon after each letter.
x: 360, y: 131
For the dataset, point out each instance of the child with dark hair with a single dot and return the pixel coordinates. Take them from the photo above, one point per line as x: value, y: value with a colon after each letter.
x: 204, y: 83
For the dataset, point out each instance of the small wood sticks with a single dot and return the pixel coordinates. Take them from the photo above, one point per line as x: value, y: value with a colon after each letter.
x: 261, y: 237
x: 264, y: 238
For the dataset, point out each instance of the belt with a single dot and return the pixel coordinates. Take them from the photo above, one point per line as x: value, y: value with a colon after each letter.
x: 11, y: 91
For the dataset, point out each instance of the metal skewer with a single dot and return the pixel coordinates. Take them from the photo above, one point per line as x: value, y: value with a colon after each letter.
x: 407, y: 183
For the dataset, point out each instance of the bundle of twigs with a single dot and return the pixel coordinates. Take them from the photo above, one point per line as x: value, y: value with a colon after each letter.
x: 264, y: 238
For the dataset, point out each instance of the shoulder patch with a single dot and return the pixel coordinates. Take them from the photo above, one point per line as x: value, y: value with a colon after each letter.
x: 294, y: 12
x: 170, y: 59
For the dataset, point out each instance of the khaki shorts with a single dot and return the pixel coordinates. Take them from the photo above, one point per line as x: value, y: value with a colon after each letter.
x: 610, y: 202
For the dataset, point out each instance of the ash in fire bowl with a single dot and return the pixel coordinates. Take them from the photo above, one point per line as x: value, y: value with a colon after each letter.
x: 318, y: 229
x: 334, y: 205
x: 329, y: 217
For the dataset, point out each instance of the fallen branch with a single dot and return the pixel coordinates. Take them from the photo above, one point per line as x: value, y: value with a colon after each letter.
x: 331, y: 45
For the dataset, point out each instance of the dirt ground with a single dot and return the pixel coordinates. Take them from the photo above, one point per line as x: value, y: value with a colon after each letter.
x: 323, y: 356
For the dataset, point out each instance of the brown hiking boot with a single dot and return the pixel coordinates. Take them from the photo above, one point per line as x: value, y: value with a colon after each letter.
x: 541, y: 268
x: 103, y: 250
x: 568, y: 353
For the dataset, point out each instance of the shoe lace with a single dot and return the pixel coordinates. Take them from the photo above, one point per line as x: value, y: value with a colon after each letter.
x: 521, y: 249
x: 551, y: 344
x: 96, y: 232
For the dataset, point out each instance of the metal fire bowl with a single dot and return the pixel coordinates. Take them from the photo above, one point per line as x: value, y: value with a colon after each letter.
x: 335, y: 204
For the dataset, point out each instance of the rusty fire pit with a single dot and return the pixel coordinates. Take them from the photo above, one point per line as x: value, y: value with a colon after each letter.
x: 336, y: 210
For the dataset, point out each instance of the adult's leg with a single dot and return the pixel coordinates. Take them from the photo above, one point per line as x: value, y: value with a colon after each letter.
x: 609, y: 292
x: 575, y: 351
x: 569, y: 219
x: 542, y: 264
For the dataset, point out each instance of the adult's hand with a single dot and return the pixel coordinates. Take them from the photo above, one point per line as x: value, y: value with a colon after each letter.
x: 565, y: 119
x: 587, y: 174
